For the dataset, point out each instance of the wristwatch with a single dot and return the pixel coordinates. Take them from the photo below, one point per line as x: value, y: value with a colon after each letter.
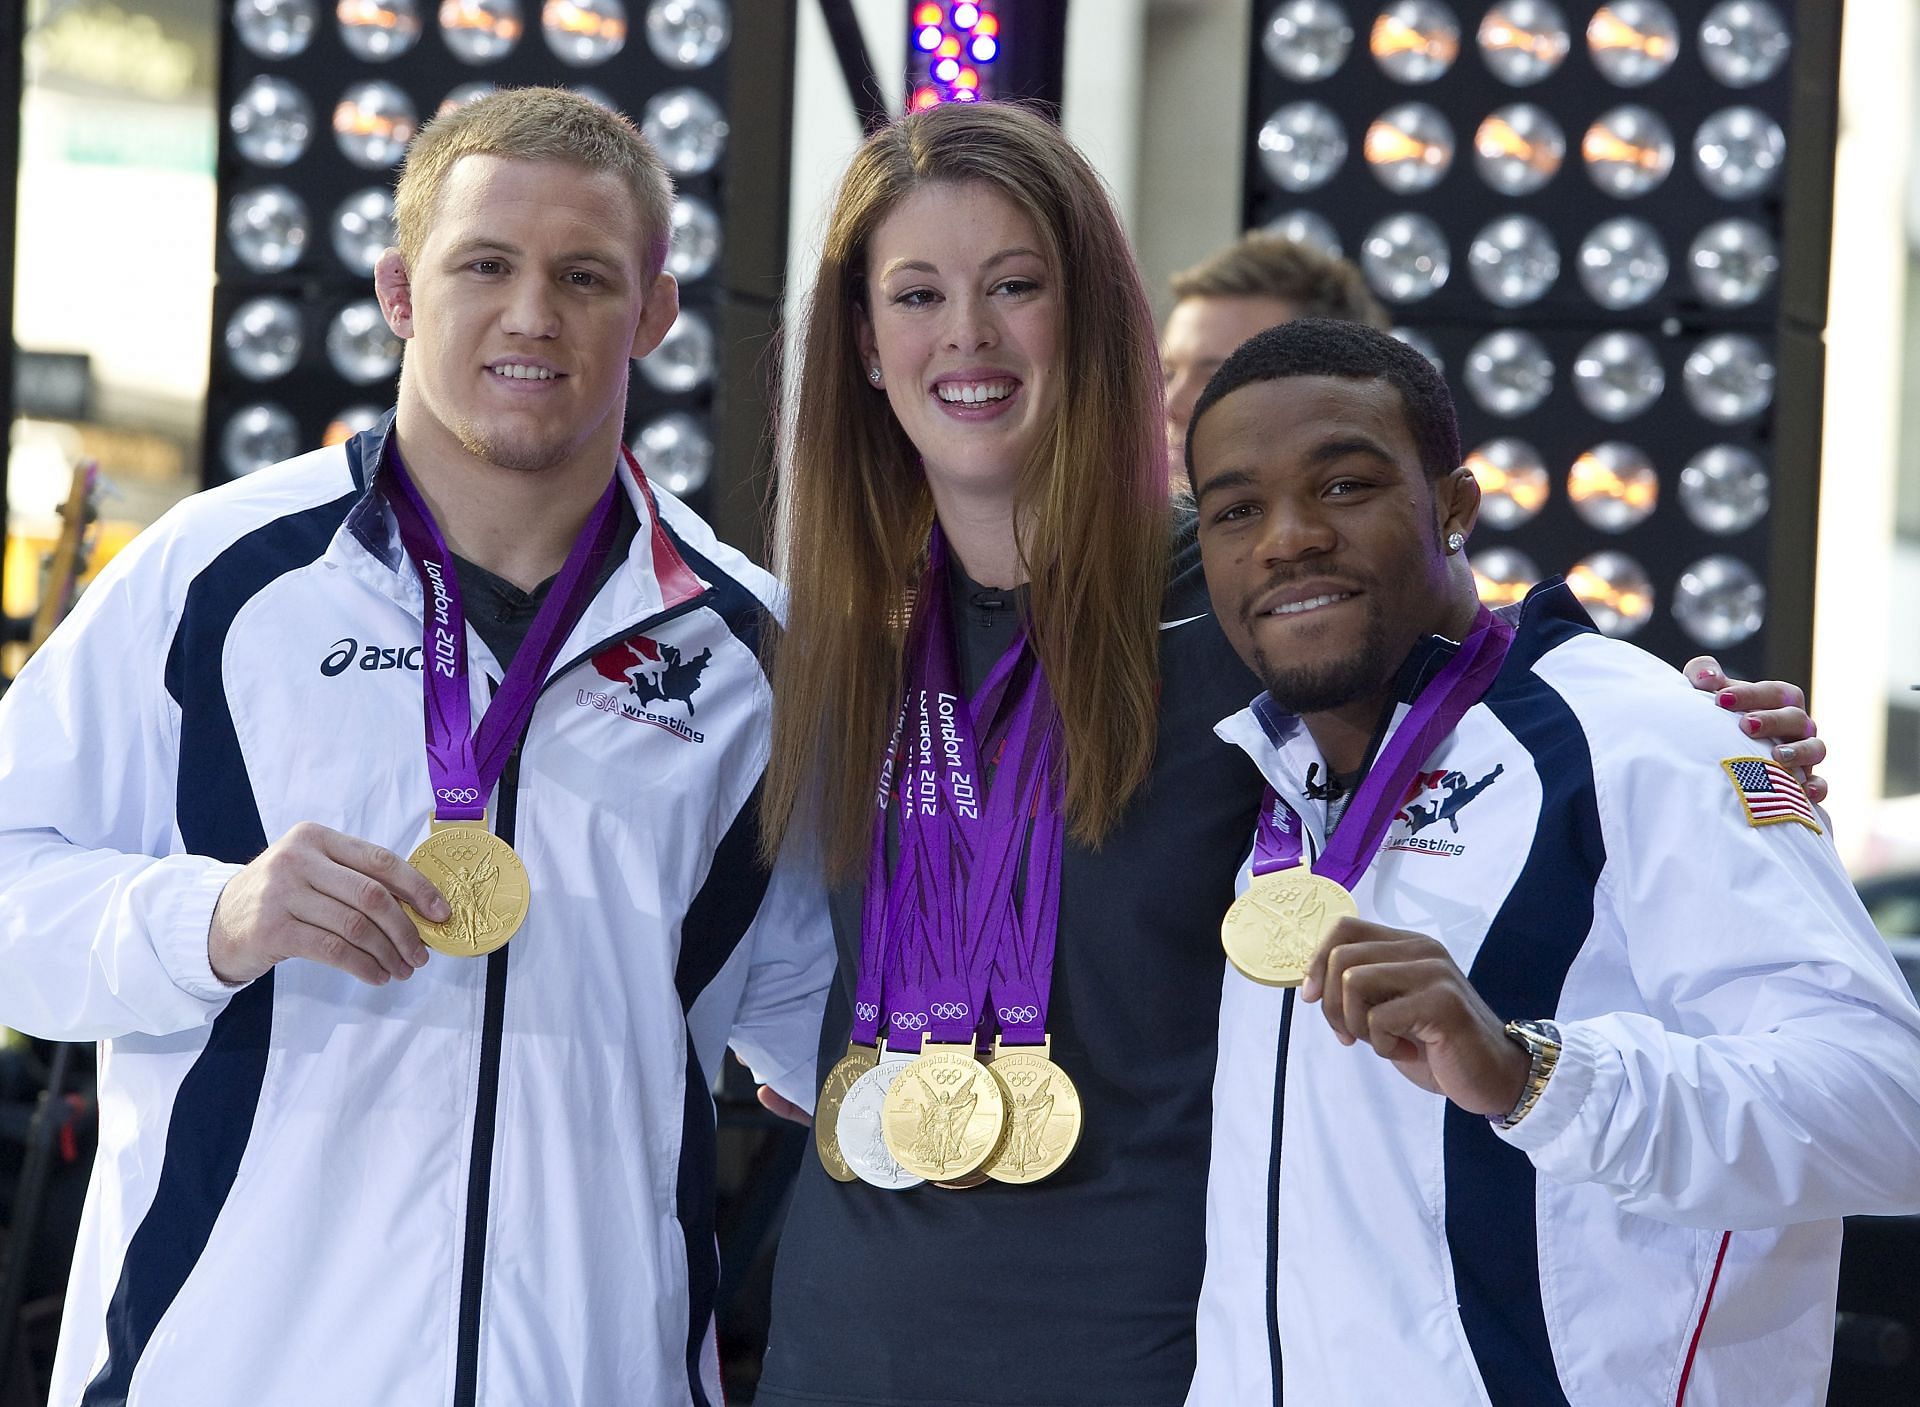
x: 1542, y: 1042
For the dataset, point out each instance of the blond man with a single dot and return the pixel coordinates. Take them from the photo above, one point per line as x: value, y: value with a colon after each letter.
x: 337, y: 1166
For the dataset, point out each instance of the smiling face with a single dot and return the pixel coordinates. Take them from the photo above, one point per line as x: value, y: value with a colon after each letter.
x: 1201, y: 333
x: 527, y: 300
x: 1321, y: 535
x: 963, y: 321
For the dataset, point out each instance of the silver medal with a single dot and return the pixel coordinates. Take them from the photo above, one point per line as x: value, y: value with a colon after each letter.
x: 861, y: 1142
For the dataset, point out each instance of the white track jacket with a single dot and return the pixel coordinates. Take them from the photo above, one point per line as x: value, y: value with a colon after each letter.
x: 1741, y: 1069
x: 492, y: 1183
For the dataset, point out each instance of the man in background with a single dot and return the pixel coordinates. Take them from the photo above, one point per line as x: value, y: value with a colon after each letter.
x: 1258, y: 281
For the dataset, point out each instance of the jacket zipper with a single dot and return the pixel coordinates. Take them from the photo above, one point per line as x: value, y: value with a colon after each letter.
x: 466, y: 1374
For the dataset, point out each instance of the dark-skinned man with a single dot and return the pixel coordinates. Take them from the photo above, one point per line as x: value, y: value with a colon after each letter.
x: 1567, y: 1107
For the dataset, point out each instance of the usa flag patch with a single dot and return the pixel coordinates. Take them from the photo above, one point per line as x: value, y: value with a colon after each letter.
x: 1770, y: 793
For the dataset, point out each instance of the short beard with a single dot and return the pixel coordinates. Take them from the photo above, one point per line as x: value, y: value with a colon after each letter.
x: 1333, y: 684
x: 518, y: 456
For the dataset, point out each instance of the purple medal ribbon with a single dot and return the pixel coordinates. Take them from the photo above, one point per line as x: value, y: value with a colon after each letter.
x: 1459, y: 685
x: 463, y: 767
x: 936, y: 932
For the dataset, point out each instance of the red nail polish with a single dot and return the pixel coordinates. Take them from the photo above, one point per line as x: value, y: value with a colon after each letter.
x: 1726, y: 699
x: 1751, y: 724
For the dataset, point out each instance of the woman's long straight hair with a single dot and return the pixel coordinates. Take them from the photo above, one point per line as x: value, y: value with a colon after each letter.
x: 854, y: 509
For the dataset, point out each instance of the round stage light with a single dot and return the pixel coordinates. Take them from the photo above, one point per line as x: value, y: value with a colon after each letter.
x: 1519, y: 149
x: 363, y: 229
x: 1405, y: 258
x: 268, y: 229
x: 1613, y: 487
x: 1733, y: 263
x: 1720, y: 601
x: 464, y: 94
x: 1307, y: 227
x: 360, y: 345
x: 1301, y: 146
x: 1524, y: 41
x: 676, y: 452
x: 271, y: 121
x: 276, y: 29
x: 1725, y: 489
x: 378, y: 30
x: 1633, y: 42
x: 1739, y: 152
x: 354, y: 420
x: 1729, y: 378
x: 1514, y: 261
x: 264, y: 338
x: 1628, y: 151
x: 372, y: 124
x: 1513, y: 481
x: 1616, y: 591
x: 1415, y: 41
x: 1509, y: 372
x: 257, y: 435
x: 1307, y: 40
x: 1744, y: 42
x: 695, y: 242
x: 685, y: 358
x: 1503, y: 576
x: 688, y: 34
x: 1622, y: 263
x: 1422, y: 344
x: 584, y: 32
x: 687, y: 128
x: 1410, y: 148
x: 1618, y: 375
x: 481, y: 31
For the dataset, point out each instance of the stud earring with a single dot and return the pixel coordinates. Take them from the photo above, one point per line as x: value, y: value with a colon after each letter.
x: 874, y: 376
x: 1456, y: 541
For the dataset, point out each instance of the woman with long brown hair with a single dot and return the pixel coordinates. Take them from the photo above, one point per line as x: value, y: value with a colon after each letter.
x: 989, y: 598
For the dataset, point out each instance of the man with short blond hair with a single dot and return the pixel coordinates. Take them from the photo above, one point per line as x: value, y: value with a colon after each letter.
x: 1259, y: 281
x: 332, y: 1168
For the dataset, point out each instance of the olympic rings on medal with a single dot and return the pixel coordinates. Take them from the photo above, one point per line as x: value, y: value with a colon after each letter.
x: 865, y: 1011
x: 458, y: 796
x: 951, y: 1011
x: 910, y: 1020
x: 1011, y: 1014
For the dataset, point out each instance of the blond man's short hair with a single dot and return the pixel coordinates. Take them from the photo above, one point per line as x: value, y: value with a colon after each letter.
x: 534, y: 124
x: 1314, y: 283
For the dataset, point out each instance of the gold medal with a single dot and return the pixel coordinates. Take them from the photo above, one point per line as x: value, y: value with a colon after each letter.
x: 1273, y: 930
x: 1043, y: 1114
x: 944, y: 1115
x: 483, y: 881
x: 826, y: 1110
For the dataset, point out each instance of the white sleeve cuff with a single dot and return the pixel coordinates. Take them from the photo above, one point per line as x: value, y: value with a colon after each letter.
x: 1568, y: 1088
x: 180, y: 936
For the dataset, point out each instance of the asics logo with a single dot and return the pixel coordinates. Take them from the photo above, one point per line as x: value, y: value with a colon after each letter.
x: 458, y: 796
x: 1013, y: 1014
x: 951, y: 1011
x: 865, y: 1011
x: 372, y: 658
x: 910, y: 1020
